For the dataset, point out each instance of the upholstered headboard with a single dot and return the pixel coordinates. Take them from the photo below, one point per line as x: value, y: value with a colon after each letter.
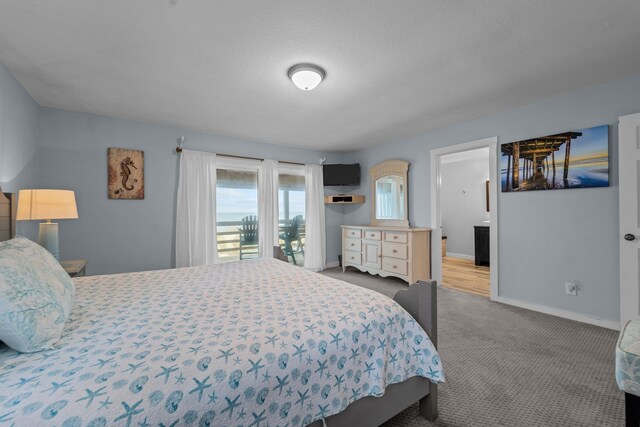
x: 8, y: 207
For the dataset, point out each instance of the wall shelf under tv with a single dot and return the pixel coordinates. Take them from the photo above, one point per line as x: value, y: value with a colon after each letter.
x: 344, y: 199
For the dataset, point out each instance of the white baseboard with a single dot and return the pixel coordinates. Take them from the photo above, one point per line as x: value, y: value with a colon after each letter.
x: 332, y: 264
x: 578, y: 317
x: 461, y: 256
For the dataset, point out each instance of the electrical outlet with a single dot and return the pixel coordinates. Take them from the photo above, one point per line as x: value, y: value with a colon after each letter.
x: 571, y: 288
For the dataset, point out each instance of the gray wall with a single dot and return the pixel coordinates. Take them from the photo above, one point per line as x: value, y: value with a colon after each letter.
x: 133, y: 235
x: 18, y: 138
x: 545, y: 237
x: 463, y: 198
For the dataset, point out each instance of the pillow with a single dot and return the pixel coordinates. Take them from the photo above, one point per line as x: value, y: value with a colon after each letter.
x: 34, y: 250
x: 36, y: 296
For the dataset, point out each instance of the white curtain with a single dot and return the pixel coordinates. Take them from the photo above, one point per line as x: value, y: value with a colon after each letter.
x: 196, y: 239
x: 315, y: 247
x: 268, y: 207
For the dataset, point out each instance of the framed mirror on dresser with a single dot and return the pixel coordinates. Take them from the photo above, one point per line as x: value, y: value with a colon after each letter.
x: 389, y: 190
x: 388, y: 246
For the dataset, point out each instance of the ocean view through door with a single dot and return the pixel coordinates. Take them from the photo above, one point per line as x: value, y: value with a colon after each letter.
x: 291, y: 216
x: 237, y: 214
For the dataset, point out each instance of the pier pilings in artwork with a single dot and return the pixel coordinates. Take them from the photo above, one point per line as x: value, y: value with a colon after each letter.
x: 515, y: 171
x: 567, y: 155
x: 532, y: 157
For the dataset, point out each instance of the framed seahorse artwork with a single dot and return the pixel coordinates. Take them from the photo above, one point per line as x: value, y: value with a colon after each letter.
x: 126, y: 173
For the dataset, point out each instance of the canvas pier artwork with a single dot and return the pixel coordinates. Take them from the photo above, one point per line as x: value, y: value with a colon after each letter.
x: 577, y: 159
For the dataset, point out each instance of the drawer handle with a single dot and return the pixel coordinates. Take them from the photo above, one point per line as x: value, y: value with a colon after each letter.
x: 395, y: 251
x: 372, y: 235
x: 395, y: 237
x: 352, y: 244
x: 395, y: 267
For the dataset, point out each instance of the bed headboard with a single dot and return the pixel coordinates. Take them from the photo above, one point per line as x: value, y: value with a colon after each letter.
x: 8, y: 207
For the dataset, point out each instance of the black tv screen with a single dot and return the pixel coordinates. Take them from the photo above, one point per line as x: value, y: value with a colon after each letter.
x: 341, y: 174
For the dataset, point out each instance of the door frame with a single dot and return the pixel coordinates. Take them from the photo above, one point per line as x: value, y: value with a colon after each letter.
x: 436, y: 208
x: 628, y: 216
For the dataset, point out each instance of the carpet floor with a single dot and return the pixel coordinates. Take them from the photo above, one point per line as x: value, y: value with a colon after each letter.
x: 507, y: 366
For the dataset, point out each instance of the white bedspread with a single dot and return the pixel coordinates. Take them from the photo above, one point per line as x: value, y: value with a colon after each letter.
x: 250, y: 343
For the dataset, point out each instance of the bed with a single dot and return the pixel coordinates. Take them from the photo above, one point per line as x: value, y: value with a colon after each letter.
x: 252, y: 343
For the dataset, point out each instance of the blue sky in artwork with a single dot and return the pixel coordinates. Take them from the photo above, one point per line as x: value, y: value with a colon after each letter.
x: 593, y: 140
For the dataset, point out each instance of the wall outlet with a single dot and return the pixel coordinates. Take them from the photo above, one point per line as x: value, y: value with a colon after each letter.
x: 571, y: 288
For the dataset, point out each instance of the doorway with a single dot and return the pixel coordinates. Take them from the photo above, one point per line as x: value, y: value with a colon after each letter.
x: 464, y: 214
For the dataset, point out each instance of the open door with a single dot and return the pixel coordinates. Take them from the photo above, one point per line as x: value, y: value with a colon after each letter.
x: 436, y: 207
x: 629, y: 172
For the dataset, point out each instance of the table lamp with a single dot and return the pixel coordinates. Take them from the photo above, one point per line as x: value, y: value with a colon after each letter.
x: 47, y: 205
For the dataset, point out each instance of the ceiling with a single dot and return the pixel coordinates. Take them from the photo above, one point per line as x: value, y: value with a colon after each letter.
x: 394, y: 68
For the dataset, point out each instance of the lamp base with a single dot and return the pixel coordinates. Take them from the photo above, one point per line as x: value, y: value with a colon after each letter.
x: 48, y: 238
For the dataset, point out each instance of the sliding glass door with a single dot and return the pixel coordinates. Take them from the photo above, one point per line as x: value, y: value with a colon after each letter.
x: 291, y: 212
x: 237, y: 210
x: 237, y: 213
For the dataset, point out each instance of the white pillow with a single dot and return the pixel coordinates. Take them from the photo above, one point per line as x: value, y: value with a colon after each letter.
x: 36, y: 296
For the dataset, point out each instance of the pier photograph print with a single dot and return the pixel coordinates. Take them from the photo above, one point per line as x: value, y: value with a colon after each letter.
x: 577, y: 159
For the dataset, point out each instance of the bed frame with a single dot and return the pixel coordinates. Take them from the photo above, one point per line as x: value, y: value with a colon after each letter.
x: 420, y: 300
x: 8, y: 208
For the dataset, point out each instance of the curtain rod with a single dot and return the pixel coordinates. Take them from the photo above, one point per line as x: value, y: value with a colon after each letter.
x: 179, y: 150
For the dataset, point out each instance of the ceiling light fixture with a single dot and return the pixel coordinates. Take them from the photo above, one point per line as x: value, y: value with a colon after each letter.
x: 306, y: 76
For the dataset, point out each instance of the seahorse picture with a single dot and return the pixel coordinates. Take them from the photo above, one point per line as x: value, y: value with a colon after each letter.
x: 126, y: 173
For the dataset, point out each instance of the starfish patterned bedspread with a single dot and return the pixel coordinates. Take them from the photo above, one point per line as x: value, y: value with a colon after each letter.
x: 248, y: 343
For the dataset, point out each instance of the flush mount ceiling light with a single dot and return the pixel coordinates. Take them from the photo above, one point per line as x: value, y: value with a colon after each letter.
x: 306, y: 76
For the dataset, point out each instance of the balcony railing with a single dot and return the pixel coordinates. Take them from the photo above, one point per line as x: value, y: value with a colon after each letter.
x: 229, y: 240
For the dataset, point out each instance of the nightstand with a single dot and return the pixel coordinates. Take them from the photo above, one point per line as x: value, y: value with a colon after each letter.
x: 75, y: 268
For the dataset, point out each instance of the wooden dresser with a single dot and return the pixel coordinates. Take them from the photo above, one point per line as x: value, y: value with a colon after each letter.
x: 388, y: 251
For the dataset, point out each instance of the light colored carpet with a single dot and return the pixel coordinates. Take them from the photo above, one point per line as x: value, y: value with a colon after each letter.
x: 506, y: 366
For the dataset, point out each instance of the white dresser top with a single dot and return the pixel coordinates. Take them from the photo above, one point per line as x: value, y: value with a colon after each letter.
x: 384, y: 227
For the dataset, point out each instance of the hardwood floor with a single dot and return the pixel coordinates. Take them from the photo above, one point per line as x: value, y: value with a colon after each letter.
x: 464, y: 275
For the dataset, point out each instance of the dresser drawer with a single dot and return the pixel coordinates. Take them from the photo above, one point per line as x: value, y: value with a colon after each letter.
x: 354, y: 233
x: 353, y: 245
x: 395, y: 236
x: 395, y: 250
x: 372, y: 235
x: 392, y: 265
x: 354, y: 258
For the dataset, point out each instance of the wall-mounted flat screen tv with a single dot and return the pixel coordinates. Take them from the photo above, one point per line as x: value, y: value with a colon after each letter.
x: 340, y: 174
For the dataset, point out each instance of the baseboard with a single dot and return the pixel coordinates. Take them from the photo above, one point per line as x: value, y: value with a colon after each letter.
x: 332, y: 264
x: 461, y: 256
x: 566, y: 314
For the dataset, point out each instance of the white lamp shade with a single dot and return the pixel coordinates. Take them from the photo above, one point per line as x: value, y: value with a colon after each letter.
x: 46, y: 204
x: 306, y: 76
